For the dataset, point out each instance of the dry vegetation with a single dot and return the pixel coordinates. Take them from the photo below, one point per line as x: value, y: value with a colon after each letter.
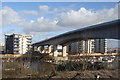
x: 68, y: 70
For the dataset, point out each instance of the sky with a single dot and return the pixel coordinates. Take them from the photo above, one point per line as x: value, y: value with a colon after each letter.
x: 44, y: 20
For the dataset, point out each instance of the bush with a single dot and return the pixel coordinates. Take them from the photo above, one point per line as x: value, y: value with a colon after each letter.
x: 70, y: 66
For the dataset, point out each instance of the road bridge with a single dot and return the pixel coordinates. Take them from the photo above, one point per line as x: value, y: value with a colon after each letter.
x: 107, y: 30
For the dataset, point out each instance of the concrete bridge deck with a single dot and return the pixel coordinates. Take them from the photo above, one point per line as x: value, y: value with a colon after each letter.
x: 107, y: 30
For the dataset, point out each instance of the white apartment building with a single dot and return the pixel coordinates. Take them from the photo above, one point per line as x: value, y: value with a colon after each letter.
x: 17, y: 44
x: 86, y: 46
x: 2, y: 48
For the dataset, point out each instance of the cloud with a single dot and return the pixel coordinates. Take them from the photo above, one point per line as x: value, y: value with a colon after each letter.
x: 44, y: 9
x: 42, y: 35
x: 27, y: 12
x: 72, y: 19
x: 42, y: 25
x: 0, y: 18
x: 10, y: 17
x: 40, y: 19
x: 84, y: 17
x: 13, y: 18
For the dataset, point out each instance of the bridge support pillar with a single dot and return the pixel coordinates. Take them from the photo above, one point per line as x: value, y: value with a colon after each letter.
x: 39, y: 49
x: 42, y: 49
x: 49, y: 49
x: 55, y: 53
x: 35, y: 48
x: 64, y: 50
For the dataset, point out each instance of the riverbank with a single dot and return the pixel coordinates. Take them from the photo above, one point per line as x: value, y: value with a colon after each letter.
x: 41, y: 67
x: 71, y: 75
x: 18, y: 70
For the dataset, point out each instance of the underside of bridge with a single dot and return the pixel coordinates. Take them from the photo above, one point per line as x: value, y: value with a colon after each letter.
x: 107, y: 30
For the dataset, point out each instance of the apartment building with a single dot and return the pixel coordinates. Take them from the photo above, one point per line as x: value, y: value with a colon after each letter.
x: 100, y: 45
x: 2, y: 48
x: 86, y: 46
x: 17, y: 43
x: 74, y: 47
x: 89, y: 46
